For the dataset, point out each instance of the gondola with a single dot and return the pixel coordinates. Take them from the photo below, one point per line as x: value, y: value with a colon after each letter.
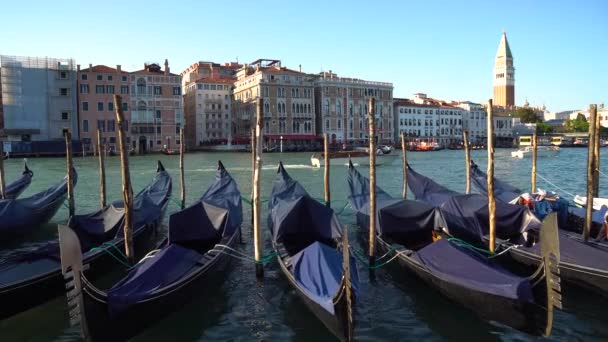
x: 196, y: 250
x: 518, y: 232
x: 169, y: 152
x: 413, y: 233
x: 14, y: 189
x: 570, y: 218
x: 305, y: 235
x: 19, y: 217
x: 32, y: 276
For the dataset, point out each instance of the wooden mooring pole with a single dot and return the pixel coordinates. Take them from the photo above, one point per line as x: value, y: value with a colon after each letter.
x: 596, y: 153
x: 182, y: 150
x: 253, y: 150
x: 467, y: 161
x: 490, y: 173
x: 2, y: 183
x: 590, y: 172
x: 326, y: 170
x: 257, y: 212
x: 102, y: 172
x: 68, y: 158
x: 404, y: 150
x: 534, y: 158
x: 127, y: 191
x: 372, y: 184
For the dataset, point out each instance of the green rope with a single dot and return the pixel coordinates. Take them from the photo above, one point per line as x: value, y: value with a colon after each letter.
x: 107, y: 250
x: 480, y: 251
x: 268, y: 258
x: 250, y: 202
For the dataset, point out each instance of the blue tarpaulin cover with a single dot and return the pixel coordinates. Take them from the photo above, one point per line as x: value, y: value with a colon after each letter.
x: 598, y: 216
x: 14, y: 189
x: 425, y: 189
x: 575, y: 251
x: 167, y: 266
x: 458, y: 265
x: 318, y: 269
x: 504, y: 192
x: 217, y: 213
x: 20, y: 216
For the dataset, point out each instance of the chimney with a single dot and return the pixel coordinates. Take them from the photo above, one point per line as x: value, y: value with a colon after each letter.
x: 77, y: 67
x: 118, y: 68
x: 90, y: 67
x: 300, y: 66
x: 166, y: 67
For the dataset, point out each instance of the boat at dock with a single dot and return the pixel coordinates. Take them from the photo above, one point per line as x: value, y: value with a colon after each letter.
x: 14, y: 189
x: 358, y: 157
x: 306, y: 236
x: 200, y: 241
x: 598, y: 202
x: 542, y: 151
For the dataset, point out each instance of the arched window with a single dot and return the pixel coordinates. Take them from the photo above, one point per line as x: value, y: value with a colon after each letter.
x: 338, y: 108
x: 350, y: 109
x: 266, y: 107
x: 326, y: 107
x: 293, y: 108
x: 141, y: 105
x: 283, y: 105
x: 360, y: 125
x: 327, y: 124
x: 350, y: 124
x: 309, y: 111
x: 339, y: 124
x: 141, y: 86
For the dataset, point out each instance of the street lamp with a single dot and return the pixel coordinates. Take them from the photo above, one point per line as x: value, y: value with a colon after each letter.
x: 281, y: 144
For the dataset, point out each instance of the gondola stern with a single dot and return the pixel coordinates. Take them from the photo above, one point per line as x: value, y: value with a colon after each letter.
x: 550, y: 254
x: 220, y: 166
x: 26, y: 169
x: 72, y: 268
x: 160, y: 167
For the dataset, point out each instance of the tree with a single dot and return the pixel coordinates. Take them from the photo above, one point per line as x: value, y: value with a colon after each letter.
x: 542, y: 127
x: 576, y: 125
x: 526, y: 115
x: 581, y: 117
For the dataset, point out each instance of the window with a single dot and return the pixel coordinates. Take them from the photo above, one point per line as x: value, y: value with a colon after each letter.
x: 109, y: 77
x: 64, y: 91
x: 110, y: 89
x: 65, y: 116
x: 84, y: 88
x: 110, y: 106
x: 85, y: 126
x: 99, y: 106
x: 127, y: 127
x: 177, y: 91
x: 326, y: 107
x: 124, y: 89
x: 111, y: 126
x: 158, y: 130
x: 141, y: 86
x: 84, y: 77
x: 338, y: 108
x: 327, y: 124
x: 158, y: 114
x: 101, y: 125
x: 125, y: 106
x: 177, y: 129
x: 158, y: 90
x: 124, y: 78
x: 99, y: 77
x: 100, y: 89
x: 85, y: 106
x: 112, y: 140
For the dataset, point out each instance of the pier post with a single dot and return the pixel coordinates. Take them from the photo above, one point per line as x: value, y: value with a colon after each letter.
x: 372, y: 184
x: 83, y: 152
x: 2, y: 183
x: 257, y: 212
x: 596, y: 151
x: 326, y: 170
x: 404, y: 150
x: 467, y: 161
x: 253, y: 147
x: 127, y: 191
x: 102, y: 172
x: 590, y: 172
x: 534, y: 158
x: 182, y: 150
x: 491, y: 198
x: 68, y: 158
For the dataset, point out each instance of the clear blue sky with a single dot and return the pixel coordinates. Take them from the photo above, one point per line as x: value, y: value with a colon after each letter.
x: 445, y: 49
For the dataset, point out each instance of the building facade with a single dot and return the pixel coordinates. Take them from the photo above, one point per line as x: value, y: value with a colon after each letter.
x: 38, y: 98
x: 342, y: 108
x: 156, y: 108
x: 96, y: 88
x: 504, y: 75
x: 426, y: 118
x: 288, y: 103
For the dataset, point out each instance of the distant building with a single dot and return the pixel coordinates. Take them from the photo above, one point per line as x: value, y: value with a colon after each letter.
x: 602, y: 111
x: 96, y: 88
x: 427, y: 118
x: 474, y: 120
x: 342, y: 108
x: 207, y: 91
x: 504, y: 75
x: 156, y: 108
x: 289, y: 103
x: 38, y: 98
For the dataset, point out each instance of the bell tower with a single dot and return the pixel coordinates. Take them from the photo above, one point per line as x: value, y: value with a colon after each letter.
x: 504, y: 74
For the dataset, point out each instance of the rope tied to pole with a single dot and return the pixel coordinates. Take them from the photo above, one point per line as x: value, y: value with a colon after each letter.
x: 555, y: 186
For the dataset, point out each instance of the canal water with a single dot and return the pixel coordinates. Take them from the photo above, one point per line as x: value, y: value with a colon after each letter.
x: 393, y: 307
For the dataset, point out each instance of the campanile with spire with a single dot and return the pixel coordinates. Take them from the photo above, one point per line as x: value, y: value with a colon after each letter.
x: 504, y: 75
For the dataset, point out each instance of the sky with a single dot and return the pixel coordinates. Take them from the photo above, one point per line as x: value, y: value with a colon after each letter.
x: 444, y: 49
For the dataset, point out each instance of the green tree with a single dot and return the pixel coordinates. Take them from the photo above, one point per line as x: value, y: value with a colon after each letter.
x: 526, y: 115
x: 581, y: 117
x: 542, y: 127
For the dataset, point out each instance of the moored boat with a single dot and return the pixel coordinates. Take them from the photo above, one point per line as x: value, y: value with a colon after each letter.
x: 358, y: 158
x: 197, y: 249
x: 305, y: 235
x: 598, y: 202
x: 14, y: 189
x: 32, y: 276
x: 413, y: 232
x: 542, y: 151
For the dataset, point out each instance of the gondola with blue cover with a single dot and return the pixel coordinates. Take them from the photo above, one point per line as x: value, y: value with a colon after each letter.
x: 19, y: 217
x: 517, y: 229
x: 305, y: 236
x: 167, y: 278
x: 413, y: 233
x: 14, y: 189
x: 32, y: 276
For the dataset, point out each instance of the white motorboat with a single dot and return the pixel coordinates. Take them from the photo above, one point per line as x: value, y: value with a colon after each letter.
x: 542, y: 151
x: 598, y: 202
x: 360, y: 158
